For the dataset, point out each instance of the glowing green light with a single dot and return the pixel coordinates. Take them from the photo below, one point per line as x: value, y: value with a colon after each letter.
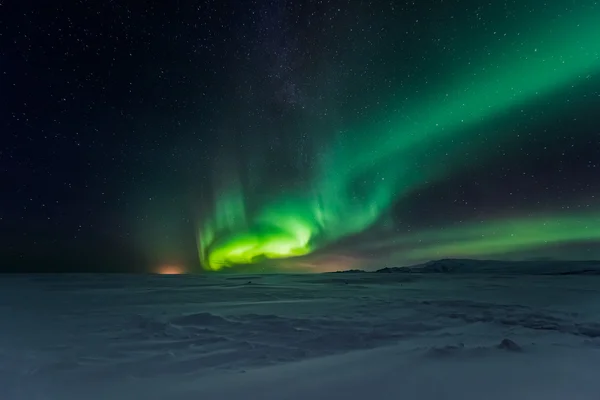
x: 505, y: 236
x: 374, y: 164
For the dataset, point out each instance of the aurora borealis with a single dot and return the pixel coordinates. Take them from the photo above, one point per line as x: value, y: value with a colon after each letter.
x: 373, y: 163
x: 299, y: 136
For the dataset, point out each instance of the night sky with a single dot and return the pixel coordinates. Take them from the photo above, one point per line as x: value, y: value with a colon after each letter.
x: 297, y: 135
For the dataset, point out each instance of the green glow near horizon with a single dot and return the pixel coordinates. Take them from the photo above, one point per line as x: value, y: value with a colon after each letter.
x: 497, y: 236
x: 512, y: 235
x: 377, y: 163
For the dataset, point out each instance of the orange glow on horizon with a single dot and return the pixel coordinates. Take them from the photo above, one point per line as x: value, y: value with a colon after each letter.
x: 171, y: 270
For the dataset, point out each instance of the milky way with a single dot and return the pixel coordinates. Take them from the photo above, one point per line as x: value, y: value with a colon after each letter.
x: 419, y: 134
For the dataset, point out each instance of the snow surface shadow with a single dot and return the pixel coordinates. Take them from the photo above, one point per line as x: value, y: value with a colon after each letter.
x: 125, y: 327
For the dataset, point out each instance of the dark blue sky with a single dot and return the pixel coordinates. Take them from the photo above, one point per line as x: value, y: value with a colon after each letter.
x: 114, y: 117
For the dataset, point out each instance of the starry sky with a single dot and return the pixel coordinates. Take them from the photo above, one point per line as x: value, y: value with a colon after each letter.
x: 297, y: 135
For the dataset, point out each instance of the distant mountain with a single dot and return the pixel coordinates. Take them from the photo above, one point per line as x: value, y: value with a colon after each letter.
x: 350, y: 271
x: 536, y: 267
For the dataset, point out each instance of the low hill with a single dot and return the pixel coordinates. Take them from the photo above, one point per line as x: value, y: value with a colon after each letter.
x: 546, y: 267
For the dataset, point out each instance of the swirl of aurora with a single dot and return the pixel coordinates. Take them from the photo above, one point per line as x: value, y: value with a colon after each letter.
x: 385, y: 157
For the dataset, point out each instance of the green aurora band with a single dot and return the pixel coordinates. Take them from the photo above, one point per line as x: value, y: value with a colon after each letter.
x: 511, y: 236
x: 494, y: 237
x: 362, y: 175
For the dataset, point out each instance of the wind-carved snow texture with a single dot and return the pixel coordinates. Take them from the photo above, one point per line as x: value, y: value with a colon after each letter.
x: 350, y: 336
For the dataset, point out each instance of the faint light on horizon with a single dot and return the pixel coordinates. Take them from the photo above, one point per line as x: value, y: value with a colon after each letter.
x: 171, y: 270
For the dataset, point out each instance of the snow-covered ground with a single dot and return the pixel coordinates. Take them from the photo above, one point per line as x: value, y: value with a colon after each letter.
x: 332, y: 336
